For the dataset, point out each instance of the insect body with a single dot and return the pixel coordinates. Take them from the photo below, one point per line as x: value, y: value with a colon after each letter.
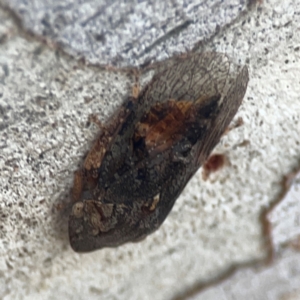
x: 142, y: 161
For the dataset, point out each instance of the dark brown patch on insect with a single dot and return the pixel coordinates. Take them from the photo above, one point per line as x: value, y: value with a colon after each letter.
x: 144, y: 158
x: 214, y: 163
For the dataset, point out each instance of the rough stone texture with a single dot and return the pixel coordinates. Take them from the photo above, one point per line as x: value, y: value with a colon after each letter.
x: 127, y: 32
x: 284, y: 217
x: 280, y: 280
x: 45, y: 100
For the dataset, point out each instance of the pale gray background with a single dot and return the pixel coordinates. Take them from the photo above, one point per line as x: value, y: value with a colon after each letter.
x: 128, y: 32
x: 216, y: 225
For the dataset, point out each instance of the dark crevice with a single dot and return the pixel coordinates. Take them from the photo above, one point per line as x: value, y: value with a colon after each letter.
x: 173, y: 32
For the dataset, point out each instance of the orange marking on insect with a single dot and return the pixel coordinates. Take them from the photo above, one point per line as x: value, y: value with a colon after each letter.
x: 164, y: 122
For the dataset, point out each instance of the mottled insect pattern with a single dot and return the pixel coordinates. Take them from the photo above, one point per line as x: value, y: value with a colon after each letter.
x: 144, y: 157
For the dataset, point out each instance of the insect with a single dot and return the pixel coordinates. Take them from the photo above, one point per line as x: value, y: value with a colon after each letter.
x: 144, y: 158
